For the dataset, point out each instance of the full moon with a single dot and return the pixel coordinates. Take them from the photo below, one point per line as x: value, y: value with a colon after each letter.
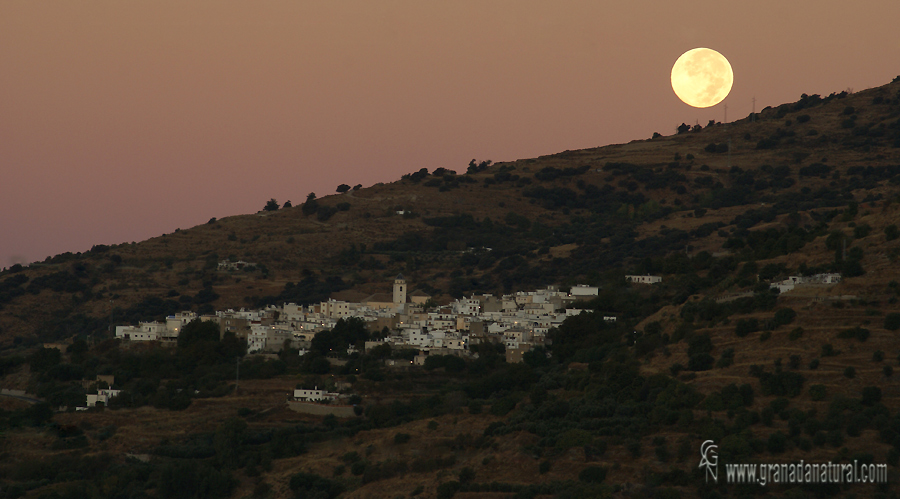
x: 702, y: 77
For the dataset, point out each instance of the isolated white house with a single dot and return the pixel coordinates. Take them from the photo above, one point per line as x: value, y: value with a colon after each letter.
x: 314, y: 395
x: 102, y: 396
x: 794, y: 280
x: 643, y: 279
x: 238, y: 265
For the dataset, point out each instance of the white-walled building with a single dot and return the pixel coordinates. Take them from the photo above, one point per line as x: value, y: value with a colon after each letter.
x: 643, y: 279
x: 102, y: 396
x: 292, y: 312
x: 335, y: 309
x: 467, y: 306
x: 174, y: 323
x: 581, y: 290
x: 794, y: 280
x: 238, y: 265
x: 146, y: 331
x: 315, y: 395
x: 258, y: 338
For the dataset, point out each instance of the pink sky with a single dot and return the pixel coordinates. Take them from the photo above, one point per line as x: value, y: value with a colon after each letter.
x: 120, y: 121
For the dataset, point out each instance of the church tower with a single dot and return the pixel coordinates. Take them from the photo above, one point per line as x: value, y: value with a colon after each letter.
x: 400, y: 289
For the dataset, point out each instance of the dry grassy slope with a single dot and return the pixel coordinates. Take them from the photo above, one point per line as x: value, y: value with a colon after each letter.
x: 508, y: 461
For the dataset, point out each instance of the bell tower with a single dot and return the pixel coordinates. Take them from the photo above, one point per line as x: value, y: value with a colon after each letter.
x: 400, y: 289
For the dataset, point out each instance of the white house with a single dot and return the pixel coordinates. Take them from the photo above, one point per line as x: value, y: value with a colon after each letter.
x: 238, y: 265
x: 584, y: 290
x: 467, y: 306
x: 315, y: 395
x: 822, y: 279
x: 292, y: 312
x: 512, y: 337
x: 420, y: 339
x: 441, y: 321
x: 508, y: 304
x: 792, y: 281
x: 455, y: 343
x: 783, y: 286
x: 102, y: 396
x: 174, y: 323
x: 643, y: 279
x: 335, y: 309
x: 258, y: 337
x: 146, y: 331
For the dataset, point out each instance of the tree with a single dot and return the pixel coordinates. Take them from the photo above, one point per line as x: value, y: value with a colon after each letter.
x: 784, y: 316
x: 272, y: 205
x: 743, y: 327
x: 311, y: 205
x: 287, y: 204
x: 357, y: 187
x: 198, y: 331
x: 892, y: 321
x: 44, y: 359
x: 593, y: 474
x: 478, y: 167
x: 871, y: 395
x: 776, y: 443
x: 343, y: 188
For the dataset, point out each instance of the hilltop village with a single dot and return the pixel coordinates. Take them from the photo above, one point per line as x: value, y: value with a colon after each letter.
x: 405, y: 319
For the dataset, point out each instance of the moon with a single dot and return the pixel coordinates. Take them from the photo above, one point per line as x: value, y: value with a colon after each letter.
x: 702, y: 77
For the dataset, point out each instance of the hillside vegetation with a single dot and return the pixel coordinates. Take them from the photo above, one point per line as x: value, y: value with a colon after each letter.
x: 614, y: 410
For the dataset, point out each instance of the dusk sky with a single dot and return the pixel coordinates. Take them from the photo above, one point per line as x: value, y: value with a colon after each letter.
x: 120, y: 121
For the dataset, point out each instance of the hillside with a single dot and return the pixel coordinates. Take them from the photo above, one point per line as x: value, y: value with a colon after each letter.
x: 616, y: 204
x: 614, y: 410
